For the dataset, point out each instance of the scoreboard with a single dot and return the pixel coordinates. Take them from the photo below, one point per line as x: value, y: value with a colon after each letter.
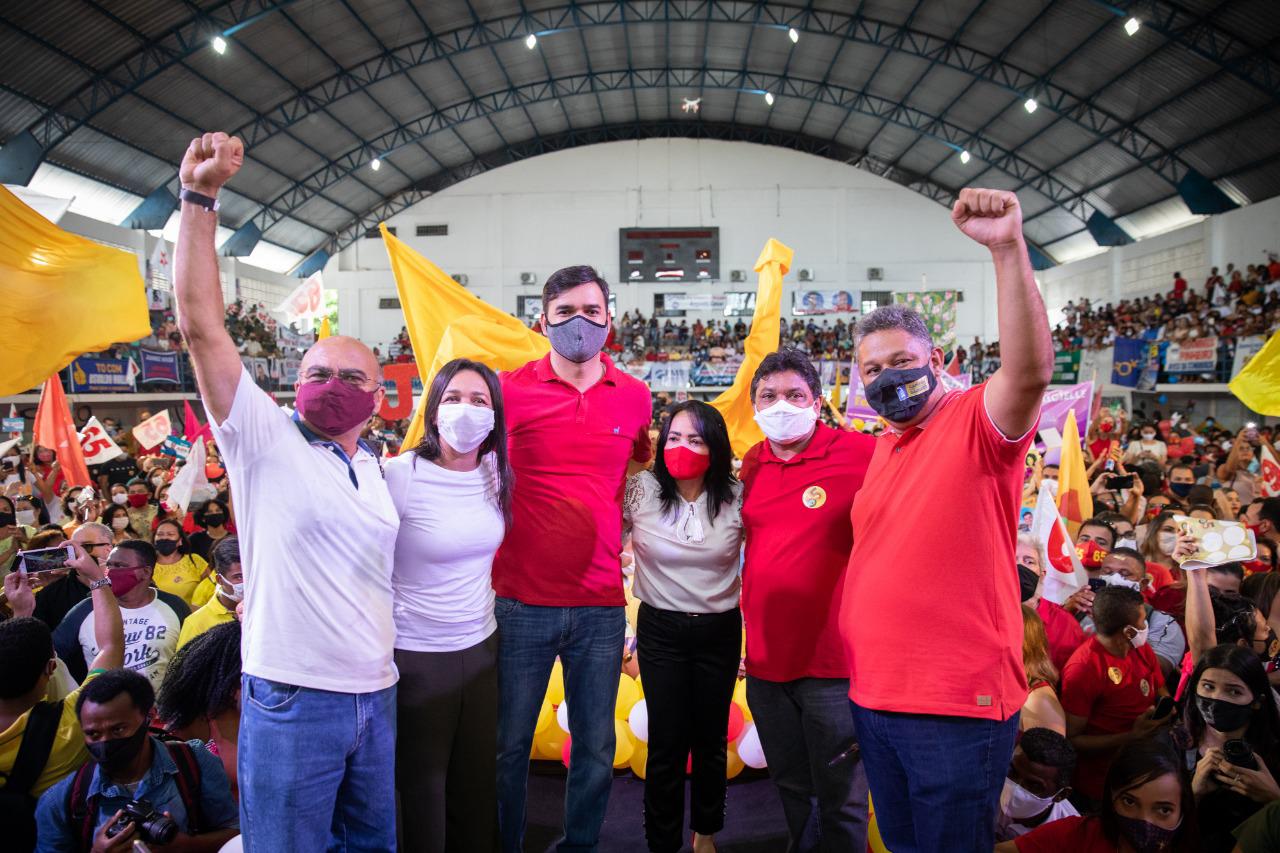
x: 669, y: 254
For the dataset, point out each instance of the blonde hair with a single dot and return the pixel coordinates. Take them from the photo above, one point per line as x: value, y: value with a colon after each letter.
x: 1035, y: 649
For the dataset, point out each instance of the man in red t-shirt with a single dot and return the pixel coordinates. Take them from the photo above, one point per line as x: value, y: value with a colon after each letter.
x: 798, y: 487
x: 1179, y: 286
x: 1110, y: 686
x: 934, y: 528
x: 574, y: 423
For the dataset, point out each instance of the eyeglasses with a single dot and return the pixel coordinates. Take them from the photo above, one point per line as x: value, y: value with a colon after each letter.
x: 89, y: 546
x: 356, y: 378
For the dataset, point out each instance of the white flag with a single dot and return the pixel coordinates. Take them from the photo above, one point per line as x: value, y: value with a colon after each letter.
x: 190, y: 477
x: 162, y: 261
x: 1270, y: 472
x: 153, y: 430
x: 306, y: 301
x: 1063, y: 572
x: 97, y: 445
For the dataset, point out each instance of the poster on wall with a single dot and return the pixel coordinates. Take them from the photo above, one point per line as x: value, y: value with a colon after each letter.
x: 101, y: 374
x: 810, y: 303
x: 1198, y: 356
x: 938, y: 308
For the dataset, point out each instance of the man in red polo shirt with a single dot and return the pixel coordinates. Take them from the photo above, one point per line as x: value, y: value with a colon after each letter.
x: 798, y: 487
x: 931, y: 614
x: 574, y: 423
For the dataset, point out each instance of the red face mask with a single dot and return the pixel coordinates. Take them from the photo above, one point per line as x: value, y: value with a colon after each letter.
x: 123, y: 580
x: 1106, y: 426
x: 1090, y: 554
x: 138, y: 501
x: 1253, y: 567
x: 684, y: 464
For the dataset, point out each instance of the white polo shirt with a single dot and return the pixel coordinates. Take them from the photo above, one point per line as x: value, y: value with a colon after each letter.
x: 317, y: 551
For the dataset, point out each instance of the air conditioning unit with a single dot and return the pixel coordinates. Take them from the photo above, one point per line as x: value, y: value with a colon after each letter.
x: 875, y: 273
x: 528, y: 278
x: 460, y: 278
x: 959, y: 296
x: 737, y: 275
x: 806, y: 274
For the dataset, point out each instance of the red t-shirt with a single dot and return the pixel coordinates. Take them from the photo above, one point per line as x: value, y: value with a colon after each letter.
x: 1160, y: 576
x: 569, y: 452
x: 1100, y: 448
x: 934, y: 529
x: 798, y: 537
x: 1077, y: 834
x: 1062, y: 630
x: 1111, y: 693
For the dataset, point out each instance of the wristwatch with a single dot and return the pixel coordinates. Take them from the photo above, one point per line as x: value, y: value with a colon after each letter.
x: 207, y: 202
x: 99, y: 584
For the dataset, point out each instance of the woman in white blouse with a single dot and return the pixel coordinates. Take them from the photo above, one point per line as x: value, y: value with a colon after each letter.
x: 686, y: 532
x: 453, y: 494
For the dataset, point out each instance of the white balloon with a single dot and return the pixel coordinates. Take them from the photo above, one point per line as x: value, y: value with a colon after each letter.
x: 749, y: 748
x: 638, y: 719
x: 562, y: 716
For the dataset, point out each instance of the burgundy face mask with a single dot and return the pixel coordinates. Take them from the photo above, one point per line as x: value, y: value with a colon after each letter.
x: 334, y: 407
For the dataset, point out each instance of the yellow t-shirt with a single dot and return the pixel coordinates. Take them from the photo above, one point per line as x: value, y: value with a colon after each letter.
x: 204, y: 592
x: 68, y: 751
x: 203, y: 619
x: 180, y: 578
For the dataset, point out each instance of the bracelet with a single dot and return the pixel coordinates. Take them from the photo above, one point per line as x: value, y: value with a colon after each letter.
x: 99, y: 584
x: 209, y: 203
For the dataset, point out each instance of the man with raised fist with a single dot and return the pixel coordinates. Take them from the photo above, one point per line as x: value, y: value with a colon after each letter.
x: 941, y: 496
x: 317, y: 529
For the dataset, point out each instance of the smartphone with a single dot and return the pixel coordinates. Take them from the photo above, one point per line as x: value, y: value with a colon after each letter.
x: 44, y: 559
x: 1239, y: 753
x: 1163, y: 708
x: 1120, y: 482
x: 1096, y: 584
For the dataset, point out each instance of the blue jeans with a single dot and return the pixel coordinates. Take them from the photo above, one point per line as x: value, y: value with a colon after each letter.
x: 316, y: 768
x: 589, y: 643
x: 935, y: 781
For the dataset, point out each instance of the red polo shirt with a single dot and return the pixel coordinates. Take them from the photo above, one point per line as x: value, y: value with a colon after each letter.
x: 569, y: 451
x: 934, y: 529
x: 1111, y: 693
x: 798, y: 536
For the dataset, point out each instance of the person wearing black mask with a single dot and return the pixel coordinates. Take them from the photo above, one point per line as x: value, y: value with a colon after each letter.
x: 213, y: 517
x: 130, y: 765
x: 1181, y: 480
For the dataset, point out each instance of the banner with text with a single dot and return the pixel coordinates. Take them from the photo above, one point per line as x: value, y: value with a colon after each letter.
x: 100, y: 374
x: 1198, y: 356
x: 1066, y: 367
x: 159, y: 366
x: 1246, y: 348
x: 96, y: 444
x: 1055, y: 404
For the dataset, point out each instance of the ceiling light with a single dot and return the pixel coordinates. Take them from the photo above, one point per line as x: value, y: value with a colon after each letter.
x: 531, y: 41
x: 964, y: 156
x: 1030, y: 105
x: 793, y: 35
x: 768, y: 98
x: 375, y: 164
x: 219, y: 45
x: 1131, y: 25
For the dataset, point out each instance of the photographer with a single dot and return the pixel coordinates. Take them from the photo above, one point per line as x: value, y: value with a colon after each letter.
x: 137, y: 787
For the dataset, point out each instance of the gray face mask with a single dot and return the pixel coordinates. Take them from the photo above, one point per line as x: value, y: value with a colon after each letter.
x: 578, y: 339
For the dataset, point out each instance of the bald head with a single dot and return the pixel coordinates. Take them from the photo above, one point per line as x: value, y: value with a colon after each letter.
x: 340, y: 352
x: 91, y: 530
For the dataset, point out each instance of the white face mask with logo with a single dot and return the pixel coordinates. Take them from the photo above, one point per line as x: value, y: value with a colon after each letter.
x: 785, y: 423
x: 1018, y: 803
x: 464, y: 427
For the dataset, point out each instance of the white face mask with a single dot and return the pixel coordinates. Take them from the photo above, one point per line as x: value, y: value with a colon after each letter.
x: 120, y: 522
x: 464, y: 427
x: 785, y: 423
x: 120, y: 499
x: 1125, y: 542
x: 237, y: 589
x: 1148, y: 436
x: 1167, y: 542
x: 1139, y: 639
x: 26, y: 516
x: 1018, y: 803
x: 1117, y: 579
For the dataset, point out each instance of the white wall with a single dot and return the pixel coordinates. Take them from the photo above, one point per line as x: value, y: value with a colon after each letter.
x: 1242, y: 237
x: 565, y: 208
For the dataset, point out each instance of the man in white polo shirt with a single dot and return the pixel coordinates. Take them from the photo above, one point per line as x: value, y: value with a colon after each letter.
x: 317, y: 531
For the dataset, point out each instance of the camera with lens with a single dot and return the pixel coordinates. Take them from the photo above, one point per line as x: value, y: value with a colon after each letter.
x: 153, y: 826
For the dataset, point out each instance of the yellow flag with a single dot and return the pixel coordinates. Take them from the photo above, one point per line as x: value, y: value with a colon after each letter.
x: 446, y: 321
x: 735, y: 403
x: 324, y: 329
x: 835, y: 394
x: 1075, y: 501
x: 1258, y: 385
x: 62, y: 296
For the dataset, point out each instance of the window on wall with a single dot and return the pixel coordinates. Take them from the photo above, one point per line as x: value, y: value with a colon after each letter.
x: 433, y: 231
x: 873, y: 299
x: 389, y: 303
x: 374, y: 234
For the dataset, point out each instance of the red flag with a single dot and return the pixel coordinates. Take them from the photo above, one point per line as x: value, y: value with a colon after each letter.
x: 55, y: 429
x: 953, y: 366
x: 191, y: 427
x: 1270, y: 473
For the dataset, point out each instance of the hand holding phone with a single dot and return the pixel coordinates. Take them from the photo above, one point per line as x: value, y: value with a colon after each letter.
x: 44, y: 560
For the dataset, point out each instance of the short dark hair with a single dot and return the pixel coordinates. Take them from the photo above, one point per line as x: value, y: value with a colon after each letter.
x: 1114, y: 607
x: 26, y: 647
x: 143, y: 549
x: 225, y: 552
x: 888, y: 317
x: 1131, y: 554
x: 784, y: 360
x: 184, y: 547
x: 1269, y: 509
x: 569, y: 278
x: 112, y: 683
x: 1233, y: 617
x: 1100, y: 522
x: 719, y: 478
x: 1234, y: 569
x: 1047, y: 747
x: 138, y: 481
x: 212, y: 503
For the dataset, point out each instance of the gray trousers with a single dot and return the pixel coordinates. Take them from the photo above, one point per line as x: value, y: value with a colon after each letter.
x: 447, y: 749
x: 804, y: 726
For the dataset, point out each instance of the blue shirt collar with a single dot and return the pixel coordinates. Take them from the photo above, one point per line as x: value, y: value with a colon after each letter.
x: 313, y: 438
x: 161, y: 765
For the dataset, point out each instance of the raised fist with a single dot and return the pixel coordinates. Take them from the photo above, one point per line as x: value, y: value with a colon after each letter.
x: 989, y: 217
x: 210, y: 162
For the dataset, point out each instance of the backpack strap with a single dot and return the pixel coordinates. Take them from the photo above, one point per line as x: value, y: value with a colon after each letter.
x: 36, y: 747
x: 80, y: 809
x: 189, y: 781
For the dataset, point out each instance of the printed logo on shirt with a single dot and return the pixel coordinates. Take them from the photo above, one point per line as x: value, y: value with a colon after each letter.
x: 1114, y: 673
x: 1145, y: 686
x: 617, y: 430
x: 814, y: 497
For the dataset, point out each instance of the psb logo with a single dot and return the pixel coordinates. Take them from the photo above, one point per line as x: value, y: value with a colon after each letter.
x: 814, y: 497
x: 1125, y: 368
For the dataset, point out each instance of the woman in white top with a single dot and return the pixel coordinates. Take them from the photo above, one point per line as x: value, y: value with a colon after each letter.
x: 686, y: 531
x: 453, y: 494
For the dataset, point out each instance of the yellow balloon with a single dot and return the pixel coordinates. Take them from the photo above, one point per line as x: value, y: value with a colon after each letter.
x: 734, y: 764
x: 546, y: 716
x: 628, y: 695
x: 639, y: 755
x: 555, y: 686
x: 874, y: 841
x: 624, y: 746
x: 639, y: 687
x: 549, y: 744
x: 740, y: 697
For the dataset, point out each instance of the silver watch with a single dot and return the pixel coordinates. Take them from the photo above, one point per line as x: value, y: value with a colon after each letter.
x: 99, y: 584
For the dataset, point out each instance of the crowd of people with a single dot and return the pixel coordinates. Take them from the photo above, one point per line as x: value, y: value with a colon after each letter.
x: 323, y: 632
